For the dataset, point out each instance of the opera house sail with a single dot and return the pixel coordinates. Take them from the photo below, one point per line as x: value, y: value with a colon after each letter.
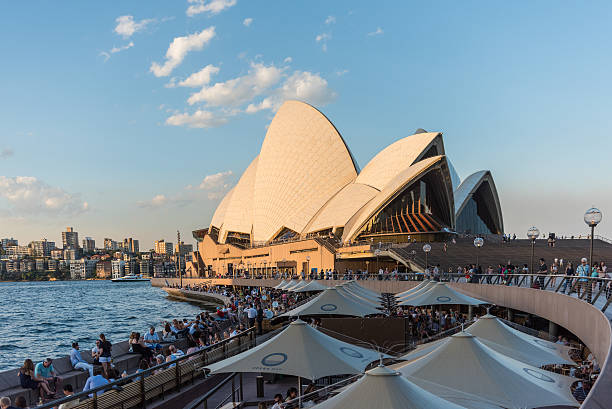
x: 304, y: 193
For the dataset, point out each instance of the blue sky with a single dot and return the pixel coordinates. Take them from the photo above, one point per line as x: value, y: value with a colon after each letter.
x: 105, y: 128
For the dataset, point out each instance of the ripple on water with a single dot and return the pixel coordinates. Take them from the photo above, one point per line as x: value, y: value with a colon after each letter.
x: 77, y: 311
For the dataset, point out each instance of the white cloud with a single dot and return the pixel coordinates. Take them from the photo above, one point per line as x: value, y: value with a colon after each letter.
x: 6, y: 153
x: 127, y: 26
x: 340, y: 73
x: 114, y: 50
x: 288, y: 60
x: 239, y: 90
x: 29, y: 196
x: 157, y: 201
x: 247, y: 21
x: 200, y: 78
x: 211, y: 7
x: 122, y: 48
x: 330, y: 20
x: 322, y: 38
x: 378, y: 31
x: 199, y: 119
x: 216, y: 181
x: 179, y: 48
x: 301, y: 85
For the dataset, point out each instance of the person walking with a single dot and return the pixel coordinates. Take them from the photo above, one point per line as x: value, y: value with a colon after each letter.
x: 583, y: 271
x: 542, y: 273
x: 567, y: 282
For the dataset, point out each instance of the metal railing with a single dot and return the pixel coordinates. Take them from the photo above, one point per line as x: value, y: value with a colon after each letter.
x: 138, y: 389
x: 236, y: 394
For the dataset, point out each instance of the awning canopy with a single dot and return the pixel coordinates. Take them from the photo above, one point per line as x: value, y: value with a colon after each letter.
x: 383, y: 388
x: 331, y: 302
x: 360, y: 295
x: 311, y: 286
x: 440, y: 294
x: 299, y: 285
x: 462, y: 364
x: 361, y: 289
x: 491, y: 331
x: 300, y: 350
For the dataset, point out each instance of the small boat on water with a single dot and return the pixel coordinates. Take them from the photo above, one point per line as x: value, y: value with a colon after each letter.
x: 130, y: 278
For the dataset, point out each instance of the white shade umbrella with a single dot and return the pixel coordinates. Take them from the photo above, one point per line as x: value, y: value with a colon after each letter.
x: 491, y: 331
x: 300, y: 350
x: 360, y: 295
x: 462, y: 364
x: 413, y: 289
x: 280, y: 285
x: 298, y: 286
x: 331, y: 302
x: 359, y: 288
x: 385, y: 389
x: 343, y: 291
x: 290, y: 285
x: 440, y: 294
x: 311, y: 286
x: 405, y: 295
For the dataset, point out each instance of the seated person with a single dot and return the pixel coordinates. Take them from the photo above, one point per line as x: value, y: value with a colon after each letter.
x: 68, y: 392
x: 138, y: 346
x: 46, y: 371
x: 151, y: 339
x: 96, y: 381
x: 95, y: 353
x: 168, y: 335
x: 28, y: 379
x: 77, y: 360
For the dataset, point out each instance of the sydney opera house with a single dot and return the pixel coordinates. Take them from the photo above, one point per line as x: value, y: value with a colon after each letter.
x: 303, y: 204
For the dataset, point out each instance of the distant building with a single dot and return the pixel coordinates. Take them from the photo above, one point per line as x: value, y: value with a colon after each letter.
x: 104, y: 269
x: 57, y: 254
x: 17, y: 251
x: 41, y: 264
x: 9, y: 242
x: 163, y: 247
x: 146, y: 267
x: 42, y: 248
x: 110, y: 244
x: 71, y: 254
x: 70, y: 239
x: 130, y: 245
x: 52, y: 265
x: 181, y: 249
x: 82, y: 269
x: 89, y: 245
x: 117, y: 268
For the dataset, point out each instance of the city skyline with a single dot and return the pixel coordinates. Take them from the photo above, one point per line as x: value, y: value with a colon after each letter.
x: 149, y: 112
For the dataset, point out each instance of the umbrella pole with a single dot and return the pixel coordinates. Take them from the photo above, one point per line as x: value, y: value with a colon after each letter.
x: 299, y: 391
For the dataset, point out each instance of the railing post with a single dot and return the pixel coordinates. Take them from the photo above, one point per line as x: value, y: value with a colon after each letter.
x: 177, y: 375
x: 143, y: 397
x: 234, y: 390
x: 241, y: 390
x: 95, y: 400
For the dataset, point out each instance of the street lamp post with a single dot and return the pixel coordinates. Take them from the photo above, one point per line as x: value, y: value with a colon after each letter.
x: 377, y: 253
x: 426, y: 249
x: 592, y: 217
x: 478, y: 243
x: 533, y: 233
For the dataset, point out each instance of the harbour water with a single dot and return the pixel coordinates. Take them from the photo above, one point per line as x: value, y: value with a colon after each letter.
x: 42, y: 319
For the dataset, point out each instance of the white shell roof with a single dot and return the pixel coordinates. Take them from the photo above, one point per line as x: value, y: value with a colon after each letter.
x: 219, y: 215
x: 303, y: 162
x: 397, y: 157
x: 465, y: 189
x: 401, y: 179
x: 239, y: 213
x: 342, y: 207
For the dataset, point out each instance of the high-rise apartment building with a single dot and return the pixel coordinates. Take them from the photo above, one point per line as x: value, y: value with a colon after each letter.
x: 89, y: 245
x: 9, y: 242
x: 42, y: 248
x: 163, y: 247
x: 70, y: 238
x: 110, y: 244
x: 130, y: 245
x: 181, y: 249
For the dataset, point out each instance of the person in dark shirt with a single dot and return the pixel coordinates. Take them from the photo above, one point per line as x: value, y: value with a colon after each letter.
x: 260, y: 317
x: 542, y: 271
